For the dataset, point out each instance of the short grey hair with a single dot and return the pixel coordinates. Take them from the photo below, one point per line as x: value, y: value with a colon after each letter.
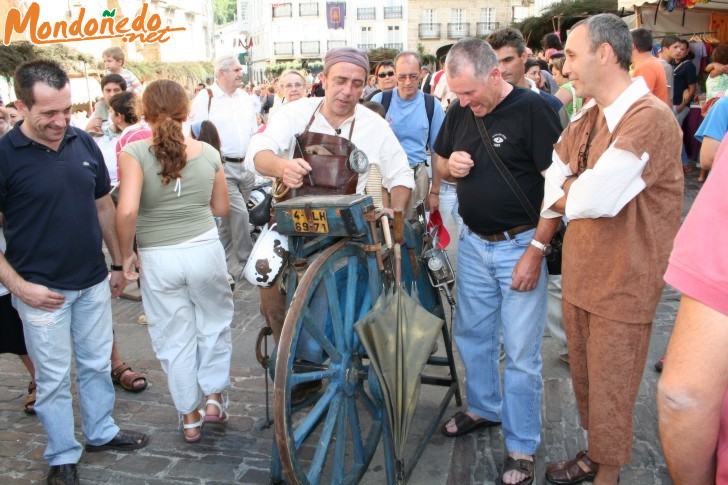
x: 474, y: 53
x: 607, y: 28
x: 293, y: 71
x: 412, y: 54
x: 223, y: 63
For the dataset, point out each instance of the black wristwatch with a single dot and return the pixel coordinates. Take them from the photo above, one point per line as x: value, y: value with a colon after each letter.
x: 117, y: 267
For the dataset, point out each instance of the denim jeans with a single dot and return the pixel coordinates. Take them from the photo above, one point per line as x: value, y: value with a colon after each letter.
x: 81, y: 327
x: 449, y: 207
x: 486, y: 307
x: 554, y: 321
x: 189, y: 308
x: 681, y: 116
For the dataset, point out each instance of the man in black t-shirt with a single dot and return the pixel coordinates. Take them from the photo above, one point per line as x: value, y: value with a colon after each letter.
x: 501, y: 267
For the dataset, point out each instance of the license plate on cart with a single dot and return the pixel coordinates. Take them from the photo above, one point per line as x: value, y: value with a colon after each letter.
x: 313, y: 221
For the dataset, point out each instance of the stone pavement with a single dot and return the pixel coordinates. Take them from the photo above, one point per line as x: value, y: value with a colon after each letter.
x: 240, y: 453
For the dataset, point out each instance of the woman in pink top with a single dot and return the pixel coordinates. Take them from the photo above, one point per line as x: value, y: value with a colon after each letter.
x: 123, y: 113
x: 691, y: 393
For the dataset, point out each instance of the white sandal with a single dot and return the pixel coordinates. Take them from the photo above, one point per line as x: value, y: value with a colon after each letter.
x: 198, y: 424
x: 221, y: 417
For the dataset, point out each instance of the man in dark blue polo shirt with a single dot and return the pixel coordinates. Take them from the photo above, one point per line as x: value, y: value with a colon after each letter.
x: 54, y: 195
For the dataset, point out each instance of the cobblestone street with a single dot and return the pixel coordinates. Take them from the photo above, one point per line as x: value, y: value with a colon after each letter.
x: 240, y: 453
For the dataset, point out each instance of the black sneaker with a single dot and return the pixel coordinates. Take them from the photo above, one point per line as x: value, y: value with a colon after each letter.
x: 63, y: 475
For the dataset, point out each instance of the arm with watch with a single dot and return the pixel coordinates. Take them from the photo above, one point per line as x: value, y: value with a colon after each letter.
x: 107, y: 215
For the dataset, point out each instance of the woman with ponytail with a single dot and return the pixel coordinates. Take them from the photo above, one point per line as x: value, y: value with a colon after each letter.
x: 173, y: 186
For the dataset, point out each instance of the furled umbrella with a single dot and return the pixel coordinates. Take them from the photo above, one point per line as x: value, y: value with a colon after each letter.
x: 398, y: 335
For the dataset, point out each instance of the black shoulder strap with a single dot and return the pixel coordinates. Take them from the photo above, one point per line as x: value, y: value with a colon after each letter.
x: 386, y: 99
x: 430, y: 109
x: 532, y: 214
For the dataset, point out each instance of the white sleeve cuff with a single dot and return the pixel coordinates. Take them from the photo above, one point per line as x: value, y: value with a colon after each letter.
x: 604, y: 190
x: 554, y: 178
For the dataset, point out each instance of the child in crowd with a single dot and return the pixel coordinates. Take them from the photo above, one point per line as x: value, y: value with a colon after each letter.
x: 114, y: 64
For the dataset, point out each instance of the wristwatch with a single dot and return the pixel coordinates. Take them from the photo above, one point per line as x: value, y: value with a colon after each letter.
x: 117, y: 267
x: 544, y: 248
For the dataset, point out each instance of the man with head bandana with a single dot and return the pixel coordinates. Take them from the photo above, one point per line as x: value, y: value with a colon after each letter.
x: 339, y: 114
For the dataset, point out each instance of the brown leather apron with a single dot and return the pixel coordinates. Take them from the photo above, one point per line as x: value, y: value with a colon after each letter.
x: 330, y: 173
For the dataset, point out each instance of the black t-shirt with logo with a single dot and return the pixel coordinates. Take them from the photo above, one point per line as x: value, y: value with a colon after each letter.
x: 523, y: 129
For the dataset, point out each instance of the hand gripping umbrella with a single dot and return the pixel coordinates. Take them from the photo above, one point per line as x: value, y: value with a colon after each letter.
x: 398, y: 335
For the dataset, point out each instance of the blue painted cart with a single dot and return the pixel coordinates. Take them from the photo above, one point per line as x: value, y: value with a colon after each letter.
x: 337, y: 269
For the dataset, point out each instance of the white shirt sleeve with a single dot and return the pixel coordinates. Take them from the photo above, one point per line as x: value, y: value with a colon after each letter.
x: 604, y: 190
x: 554, y: 179
x: 277, y: 138
x: 393, y: 164
x: 198, y: 110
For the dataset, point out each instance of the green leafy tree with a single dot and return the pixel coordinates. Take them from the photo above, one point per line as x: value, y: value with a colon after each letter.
x: 561, y: 16
x: 225, y: 11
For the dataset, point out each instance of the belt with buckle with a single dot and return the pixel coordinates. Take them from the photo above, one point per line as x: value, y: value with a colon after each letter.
x: 233, y: 160
x: 502, y: 236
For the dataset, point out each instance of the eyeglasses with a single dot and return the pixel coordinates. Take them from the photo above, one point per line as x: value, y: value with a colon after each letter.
x: 382, y: 75
x: 294, y: 85
x: 411, y: 77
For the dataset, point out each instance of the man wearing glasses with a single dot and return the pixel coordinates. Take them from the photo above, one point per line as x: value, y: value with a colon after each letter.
x: 415, y: 118
x: 386, y: 79
x: 616, y: 176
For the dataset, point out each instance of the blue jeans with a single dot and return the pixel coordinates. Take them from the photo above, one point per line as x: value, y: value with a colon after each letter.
x: 81, y: 327
x: 487, y: 306
x: 449, y: 206
x: 681, y: 116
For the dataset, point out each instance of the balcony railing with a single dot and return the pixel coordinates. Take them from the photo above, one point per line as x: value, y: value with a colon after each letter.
x: 331, y: 44
x: 485, y: 28
x: 393, y: 45
x: 283, y: 48
x: 457, y: 30
x: 309, y: 47
x: 367, y: 47
x: 282, y: 10
x: 368, y: 13
x: 430, y: 31
x: 308, y: 9
x: 392, y: 12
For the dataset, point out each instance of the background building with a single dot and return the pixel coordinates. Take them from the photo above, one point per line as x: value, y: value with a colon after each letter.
x: 436, y: 23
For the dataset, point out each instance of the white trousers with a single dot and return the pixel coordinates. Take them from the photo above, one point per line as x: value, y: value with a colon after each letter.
x: 189, y: 308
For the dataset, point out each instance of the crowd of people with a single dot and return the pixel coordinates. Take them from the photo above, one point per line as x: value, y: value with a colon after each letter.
x: 585, y: 134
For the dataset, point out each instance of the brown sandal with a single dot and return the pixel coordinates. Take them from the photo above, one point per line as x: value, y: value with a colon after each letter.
x: 125, y: 376
x: 579, y: 469
x: 29, y: 406
x: 527, y: 467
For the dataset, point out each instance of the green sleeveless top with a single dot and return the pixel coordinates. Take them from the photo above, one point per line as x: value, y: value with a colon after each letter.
x: 179, y: 211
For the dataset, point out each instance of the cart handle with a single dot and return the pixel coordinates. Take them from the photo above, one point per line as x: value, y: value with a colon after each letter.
x: 387, y: 233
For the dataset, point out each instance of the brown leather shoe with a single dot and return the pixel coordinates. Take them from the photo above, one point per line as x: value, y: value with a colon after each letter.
x: 573, y: 471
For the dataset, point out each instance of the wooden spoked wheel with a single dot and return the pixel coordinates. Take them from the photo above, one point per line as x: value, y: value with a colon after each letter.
x: 331, y: 437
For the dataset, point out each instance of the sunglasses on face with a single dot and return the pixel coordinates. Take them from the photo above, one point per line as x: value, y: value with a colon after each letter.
x: 382, y: 75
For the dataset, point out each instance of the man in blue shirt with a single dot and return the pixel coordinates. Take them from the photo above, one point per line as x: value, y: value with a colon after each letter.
x: 56, y: 208
x: 415, y: 124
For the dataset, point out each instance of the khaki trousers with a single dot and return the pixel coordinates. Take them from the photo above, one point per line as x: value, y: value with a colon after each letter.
x: 422, y: 189
x: 607, y: 361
